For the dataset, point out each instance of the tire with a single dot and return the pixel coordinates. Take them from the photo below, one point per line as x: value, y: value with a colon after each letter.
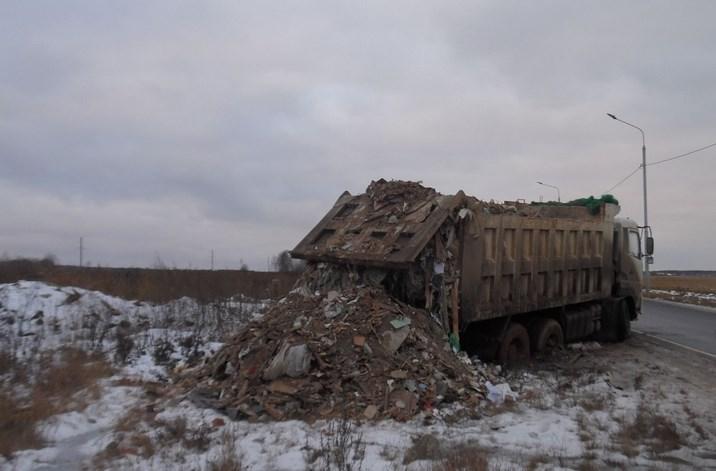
x: 547, y: 336
x: 515, y: 346
x: 609, y: 325
x: 623, y: 321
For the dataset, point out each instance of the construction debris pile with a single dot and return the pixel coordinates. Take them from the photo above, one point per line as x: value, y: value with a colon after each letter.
x: 353, y: 352
x: 370, y: 331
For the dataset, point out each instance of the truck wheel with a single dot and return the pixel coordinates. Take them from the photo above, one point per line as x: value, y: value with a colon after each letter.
x: 547, y: 336
x: 515, y: 346
x: 623, y: 321
x: 611, y: 321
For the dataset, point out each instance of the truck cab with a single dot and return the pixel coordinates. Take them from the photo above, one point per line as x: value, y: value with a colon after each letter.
x: 628, y: 277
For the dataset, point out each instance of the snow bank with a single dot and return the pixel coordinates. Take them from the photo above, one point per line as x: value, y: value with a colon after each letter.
x: 36, y: 317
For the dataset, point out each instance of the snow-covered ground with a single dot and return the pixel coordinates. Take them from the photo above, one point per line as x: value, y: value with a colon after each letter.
x: 593, y: 407
x: 690, y: 297
x: 36, y: 317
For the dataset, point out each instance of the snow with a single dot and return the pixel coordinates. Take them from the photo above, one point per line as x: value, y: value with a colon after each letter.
x: 36, y: 317
x: 688, y: 296
x: 545, y: 416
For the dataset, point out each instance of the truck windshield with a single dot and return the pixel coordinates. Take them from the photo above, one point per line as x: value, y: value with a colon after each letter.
x: 634, y: 243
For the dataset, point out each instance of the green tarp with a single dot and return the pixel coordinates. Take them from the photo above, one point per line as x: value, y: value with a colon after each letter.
x: 591, y: 203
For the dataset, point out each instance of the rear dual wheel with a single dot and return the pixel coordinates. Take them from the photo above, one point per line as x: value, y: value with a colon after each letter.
x: 546, y: 336
x: 514, y: 347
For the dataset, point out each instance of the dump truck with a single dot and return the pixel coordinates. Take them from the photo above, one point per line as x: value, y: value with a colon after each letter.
x: 505, y: 280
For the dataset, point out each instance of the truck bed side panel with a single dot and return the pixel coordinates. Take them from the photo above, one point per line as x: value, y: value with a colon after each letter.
x: 514, y: 264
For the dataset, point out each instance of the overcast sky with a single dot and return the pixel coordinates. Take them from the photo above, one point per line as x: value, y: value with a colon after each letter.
x: 166, y: 129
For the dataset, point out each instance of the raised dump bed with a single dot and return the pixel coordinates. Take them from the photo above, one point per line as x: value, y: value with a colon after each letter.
x: 480, y: 267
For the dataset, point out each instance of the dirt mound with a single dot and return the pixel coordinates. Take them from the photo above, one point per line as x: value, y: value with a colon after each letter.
x: 353, y: 351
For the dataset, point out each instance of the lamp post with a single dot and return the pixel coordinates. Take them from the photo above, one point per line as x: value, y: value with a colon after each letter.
x: 552, y: 186
x: 643, y: 167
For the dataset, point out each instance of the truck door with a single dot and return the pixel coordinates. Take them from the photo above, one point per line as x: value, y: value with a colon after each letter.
x: 630, y: 276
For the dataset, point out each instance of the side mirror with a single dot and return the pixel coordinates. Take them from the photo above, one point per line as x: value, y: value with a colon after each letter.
x: 650, y: 246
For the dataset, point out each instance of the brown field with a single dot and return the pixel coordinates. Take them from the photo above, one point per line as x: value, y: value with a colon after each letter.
x: 688, y: 289
x: 155, y: 285
x: 696, y: 284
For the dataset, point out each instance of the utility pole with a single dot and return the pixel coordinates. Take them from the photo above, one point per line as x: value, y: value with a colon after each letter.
x: 646, y: 213
x: 212, y: 259
x: 559, y: 198
x: 81, y: 251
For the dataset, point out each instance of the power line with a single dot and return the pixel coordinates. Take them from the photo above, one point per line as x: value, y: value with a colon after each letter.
x: 623, y: 179
x: 682, y: 155
x: 661, y: 162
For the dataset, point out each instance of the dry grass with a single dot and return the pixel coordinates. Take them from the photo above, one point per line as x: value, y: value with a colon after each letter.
x: 649, y: 428
x: 155, y: 285
x: 7, y: 362
x: 229, y: 459
x: 131, y: 440
x: 695, y: 425
x: 61, y: 377
x: 592, y: 402
x: 341, y: 447
x: 177, y: 431
x: 683, y: 285
x: 536, y: 461
x: 463, y: 458
x: 536, y: 399
x: 74, y: 370
x: 424, y: 447
x: 588, y: 465
x: 18, y: 426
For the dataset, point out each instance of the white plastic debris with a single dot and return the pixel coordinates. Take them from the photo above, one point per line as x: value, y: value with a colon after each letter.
x: 497, y: 393
x: 293, y: 361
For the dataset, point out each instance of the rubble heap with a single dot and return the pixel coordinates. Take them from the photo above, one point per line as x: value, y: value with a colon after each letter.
x: 372, y: 327
x: 353, y: 351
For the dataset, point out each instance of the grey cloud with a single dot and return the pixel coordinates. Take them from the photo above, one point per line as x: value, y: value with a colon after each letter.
x: 177, y: 127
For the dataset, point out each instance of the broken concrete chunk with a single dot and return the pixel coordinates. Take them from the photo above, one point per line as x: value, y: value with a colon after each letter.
x: 299, y: 322
x: 399, y: 374
x: 298, y: 361
x: 333, y: 310
x: 400, y: 322
x: 391, y: 340
x: 370, y: 412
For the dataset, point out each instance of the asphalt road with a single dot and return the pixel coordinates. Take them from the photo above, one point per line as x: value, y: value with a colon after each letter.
x: 687, y: 325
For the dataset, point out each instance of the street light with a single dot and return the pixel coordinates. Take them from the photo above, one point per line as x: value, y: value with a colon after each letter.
x: 552, y: 186
x: 643, y: 167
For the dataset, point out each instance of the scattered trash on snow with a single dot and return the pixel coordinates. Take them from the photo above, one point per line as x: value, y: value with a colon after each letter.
x: 497, y: 393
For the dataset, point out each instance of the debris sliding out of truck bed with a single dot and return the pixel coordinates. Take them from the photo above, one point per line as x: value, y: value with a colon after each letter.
x: 349, y: 350
x: 360, y: 335
x: 372, y: 328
